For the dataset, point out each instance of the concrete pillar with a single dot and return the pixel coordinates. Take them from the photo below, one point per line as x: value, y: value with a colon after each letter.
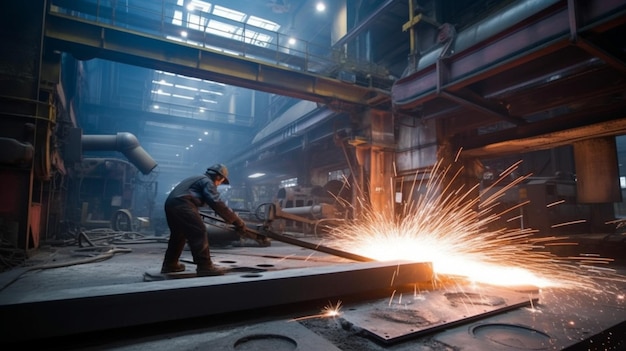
x: 597, y: 170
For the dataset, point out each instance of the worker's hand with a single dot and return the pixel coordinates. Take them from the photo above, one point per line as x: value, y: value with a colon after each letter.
x: 240, y: 226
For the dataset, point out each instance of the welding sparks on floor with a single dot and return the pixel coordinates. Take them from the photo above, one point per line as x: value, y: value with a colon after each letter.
x: 329, y: 311
x: 449, y: 227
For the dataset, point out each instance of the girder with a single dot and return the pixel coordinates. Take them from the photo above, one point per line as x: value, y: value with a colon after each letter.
x: 85, y: 39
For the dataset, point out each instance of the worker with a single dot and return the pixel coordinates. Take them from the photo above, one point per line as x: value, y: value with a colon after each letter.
x: 186, y: 224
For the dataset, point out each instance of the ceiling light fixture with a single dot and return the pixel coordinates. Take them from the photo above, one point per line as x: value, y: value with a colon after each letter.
x: 183, y: 34
x: 292, y: 41
x: 320, y: 7
x: 256, y: 175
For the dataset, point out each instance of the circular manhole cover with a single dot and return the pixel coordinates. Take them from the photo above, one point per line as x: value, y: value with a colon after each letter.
x: 511, y: 335
x: 265, y: 342
x: 251, y: 275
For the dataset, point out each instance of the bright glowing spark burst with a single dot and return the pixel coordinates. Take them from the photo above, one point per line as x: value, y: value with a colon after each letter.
x: 449, y: 227
x: 329, y: 311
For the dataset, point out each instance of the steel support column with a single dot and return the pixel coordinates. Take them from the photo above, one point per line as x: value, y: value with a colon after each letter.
x: 382, y: 153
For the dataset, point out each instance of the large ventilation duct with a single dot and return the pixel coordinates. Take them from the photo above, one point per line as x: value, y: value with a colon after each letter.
x: 126, y: 143
x: 485, y: 29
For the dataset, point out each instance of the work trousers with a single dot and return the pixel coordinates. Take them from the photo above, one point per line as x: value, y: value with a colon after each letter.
x: 185, y: 222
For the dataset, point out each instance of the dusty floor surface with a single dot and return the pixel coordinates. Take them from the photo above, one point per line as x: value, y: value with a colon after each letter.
x: 558, y: 320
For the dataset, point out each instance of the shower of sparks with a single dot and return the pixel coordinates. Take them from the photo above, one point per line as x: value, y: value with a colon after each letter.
x: 449, y: 227
x: 329, y: 311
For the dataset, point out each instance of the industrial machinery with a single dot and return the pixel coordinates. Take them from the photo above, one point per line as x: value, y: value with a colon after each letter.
x: 307, y: 210
x: 109, y: 193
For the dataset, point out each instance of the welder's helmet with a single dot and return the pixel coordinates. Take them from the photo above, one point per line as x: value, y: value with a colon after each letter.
x: 220, y: 169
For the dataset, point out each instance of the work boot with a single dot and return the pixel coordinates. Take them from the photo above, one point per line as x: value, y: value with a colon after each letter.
x: 209, y: 270
x: 172, y: 267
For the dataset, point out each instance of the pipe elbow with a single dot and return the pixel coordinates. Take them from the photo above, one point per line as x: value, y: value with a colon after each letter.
x: 126, y: 141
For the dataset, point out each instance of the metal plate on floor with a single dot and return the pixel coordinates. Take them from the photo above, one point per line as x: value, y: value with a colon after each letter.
x: 156, y: 275
x: 405, y: 316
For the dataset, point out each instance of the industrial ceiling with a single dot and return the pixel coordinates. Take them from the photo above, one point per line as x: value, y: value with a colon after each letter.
x: 549, y: 66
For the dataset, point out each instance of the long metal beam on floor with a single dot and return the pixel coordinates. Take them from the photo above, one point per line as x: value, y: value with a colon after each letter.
x: 79, y: 310
x: 86, y: 40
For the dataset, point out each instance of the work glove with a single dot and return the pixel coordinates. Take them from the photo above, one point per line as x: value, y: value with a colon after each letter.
x: 240, y: 226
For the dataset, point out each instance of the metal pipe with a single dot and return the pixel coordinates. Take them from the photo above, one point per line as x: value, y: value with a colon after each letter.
x: 308, y: 245
x: 316, y: 247
x: 488, y: 27
x: 320, y: 210
x: 126, y: 143
x: 218, y: 233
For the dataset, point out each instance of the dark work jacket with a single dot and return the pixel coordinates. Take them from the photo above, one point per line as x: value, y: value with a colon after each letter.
x: 202, y: 191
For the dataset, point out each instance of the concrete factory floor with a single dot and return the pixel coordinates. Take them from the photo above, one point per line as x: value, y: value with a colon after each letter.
x: 433, y: 318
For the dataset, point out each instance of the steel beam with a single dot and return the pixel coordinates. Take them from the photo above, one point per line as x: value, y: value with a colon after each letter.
x: 545, y: 135
x: 543, y: 34
x: 47, y: 314
x: 481, y: 105
x: 86, y: 39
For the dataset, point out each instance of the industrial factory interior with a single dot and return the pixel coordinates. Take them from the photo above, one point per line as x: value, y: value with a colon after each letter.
x: 412, y: 174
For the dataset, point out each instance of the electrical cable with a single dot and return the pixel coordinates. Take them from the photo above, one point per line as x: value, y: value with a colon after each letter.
x: 101, y: 253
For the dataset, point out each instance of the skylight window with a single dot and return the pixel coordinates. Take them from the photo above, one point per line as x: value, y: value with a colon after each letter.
x: 162, y: 82
x: 222, y: 29
x: 197, y: 5
x: 229, y: 13
x: 160, y: 92
x: 178, y: 18
x: 182, y: 96
x: 256, y: 38
x: 218, y: 93
x: 186, y: 87
x: 263, y: 23
x: 196, y: 22
x: 197, y: 15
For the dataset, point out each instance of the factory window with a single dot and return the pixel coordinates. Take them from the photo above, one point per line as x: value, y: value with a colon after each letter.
x: 289, y: 182
x: 222, y: 29
x: 198, y: 16
x: 262, y: 23
x: 252, y: 37
x: 228, y: 13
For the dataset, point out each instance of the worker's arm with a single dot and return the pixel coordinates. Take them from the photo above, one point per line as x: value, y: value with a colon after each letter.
x: 212, y: 197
